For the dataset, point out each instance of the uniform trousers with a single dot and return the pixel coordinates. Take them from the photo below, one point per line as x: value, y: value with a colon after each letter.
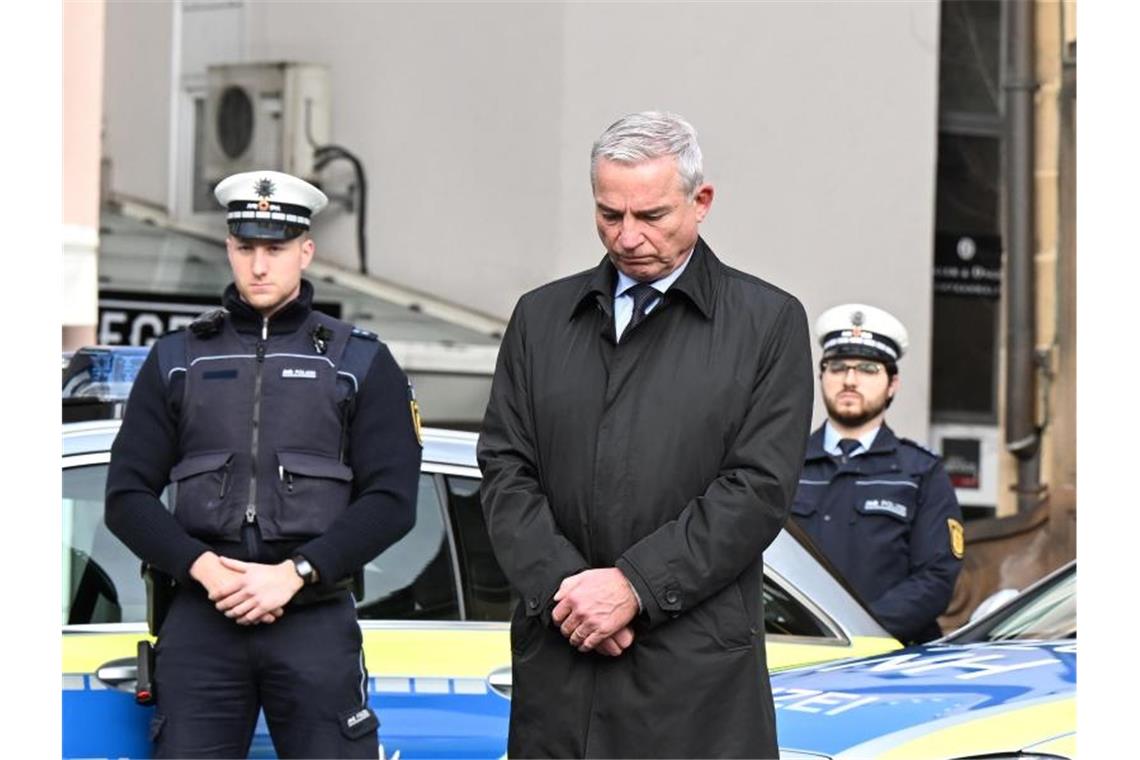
x: 306, y: 670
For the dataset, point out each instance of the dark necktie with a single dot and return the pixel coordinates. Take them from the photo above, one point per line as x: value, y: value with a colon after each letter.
x: 848, y: 446
x: 643, y: 294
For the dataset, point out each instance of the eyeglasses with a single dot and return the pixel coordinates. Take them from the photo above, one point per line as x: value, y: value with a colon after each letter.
x: 840, y: 368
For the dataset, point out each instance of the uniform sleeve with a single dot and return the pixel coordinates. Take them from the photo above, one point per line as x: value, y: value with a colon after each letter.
x: 908, y: 609
x: 723, y: 531
x: 385, y: 458
x: 527, y: 540
x: 141, y: 457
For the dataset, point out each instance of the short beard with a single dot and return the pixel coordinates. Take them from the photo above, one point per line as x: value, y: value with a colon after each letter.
x: 851, y: 419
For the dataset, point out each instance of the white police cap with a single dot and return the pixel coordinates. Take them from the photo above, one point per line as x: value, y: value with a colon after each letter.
x: 268, y: 205
x: 855, y: 329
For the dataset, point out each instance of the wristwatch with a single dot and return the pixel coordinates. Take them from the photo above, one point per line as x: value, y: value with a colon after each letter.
x: 307, y: 572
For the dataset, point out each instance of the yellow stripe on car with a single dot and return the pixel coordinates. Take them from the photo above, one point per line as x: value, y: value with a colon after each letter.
x: 972, y: 733
x: 785, y: 651
x: 451, y: 653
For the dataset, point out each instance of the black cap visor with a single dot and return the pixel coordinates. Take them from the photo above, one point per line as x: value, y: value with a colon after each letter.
x: 854, y: 350
x: 263, y: 229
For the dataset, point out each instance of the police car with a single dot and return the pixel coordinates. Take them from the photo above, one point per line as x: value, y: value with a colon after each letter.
x: 1001, y: 687
x: 434, y: 611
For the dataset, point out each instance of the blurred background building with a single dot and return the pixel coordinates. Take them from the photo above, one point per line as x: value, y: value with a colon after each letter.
x: 919, y: 156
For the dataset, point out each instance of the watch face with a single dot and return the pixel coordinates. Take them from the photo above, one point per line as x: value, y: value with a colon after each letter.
x: 304, y: 569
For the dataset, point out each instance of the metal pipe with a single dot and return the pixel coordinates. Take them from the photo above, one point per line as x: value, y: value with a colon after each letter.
x: 1022, y: 434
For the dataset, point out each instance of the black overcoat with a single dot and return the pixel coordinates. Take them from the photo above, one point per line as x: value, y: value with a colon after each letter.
x: 673, y: 456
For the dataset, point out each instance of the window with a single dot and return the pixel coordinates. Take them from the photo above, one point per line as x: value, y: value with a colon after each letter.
x: 487, y: 595
x: 101, y: 578
x: 786, y: 616
x: 1049, y: 612
x: 969, y: 73
x: 968, y: 244
x: 414, y: 579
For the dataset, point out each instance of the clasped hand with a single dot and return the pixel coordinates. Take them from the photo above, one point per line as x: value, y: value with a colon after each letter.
x: 594, y: 609
x: 247, y: 592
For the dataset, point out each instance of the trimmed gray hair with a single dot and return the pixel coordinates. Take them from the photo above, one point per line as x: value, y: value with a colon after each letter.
x: 644, y: 136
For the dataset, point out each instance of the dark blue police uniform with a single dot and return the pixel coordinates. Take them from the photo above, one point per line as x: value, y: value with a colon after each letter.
x: 286, y: 436
x: 890, y: 523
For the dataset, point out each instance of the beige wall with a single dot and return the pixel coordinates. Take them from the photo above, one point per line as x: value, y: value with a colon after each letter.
x: 82, y: 113
x: 1054, y: 260
x: 475, y: 120
x: 140, y: 40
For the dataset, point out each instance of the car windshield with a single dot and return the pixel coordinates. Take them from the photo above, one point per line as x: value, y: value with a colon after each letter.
x: 1048, y: 612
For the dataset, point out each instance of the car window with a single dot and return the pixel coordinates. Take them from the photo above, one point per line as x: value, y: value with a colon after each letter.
x: 787, y: 616
x: 487, y: 595
x: 101, y: 580
x: 1049, y: 612
x: 414, y: 579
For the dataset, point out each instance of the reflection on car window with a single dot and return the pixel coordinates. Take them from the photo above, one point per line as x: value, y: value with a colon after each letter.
x: 783, y: 614
x: 486, y: 593
x: 414, y: 578
x: 1049, y: 613
x: 101, y: 581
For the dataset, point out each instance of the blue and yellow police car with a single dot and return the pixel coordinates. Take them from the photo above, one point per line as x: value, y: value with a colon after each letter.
x: 434, y: 609
x: 1001, y: 687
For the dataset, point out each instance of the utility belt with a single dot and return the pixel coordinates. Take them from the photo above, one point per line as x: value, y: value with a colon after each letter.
x: 160, y: 591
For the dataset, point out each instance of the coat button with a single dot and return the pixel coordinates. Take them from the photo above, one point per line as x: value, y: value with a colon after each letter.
x: 532, y: 603
x: 671, y: 597
x: 827, y: 518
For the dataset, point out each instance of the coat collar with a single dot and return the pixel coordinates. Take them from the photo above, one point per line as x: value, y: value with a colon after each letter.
x: 885, y: 443
x: 290, y: 317
x: 697, y: 283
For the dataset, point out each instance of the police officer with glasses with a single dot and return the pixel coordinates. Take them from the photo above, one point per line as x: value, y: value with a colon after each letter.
x: 292, y: 442
x: 880, y: 507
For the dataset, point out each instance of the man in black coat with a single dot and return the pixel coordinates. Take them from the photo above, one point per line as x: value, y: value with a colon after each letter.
x: 881, y: 508
x: 640, y: 449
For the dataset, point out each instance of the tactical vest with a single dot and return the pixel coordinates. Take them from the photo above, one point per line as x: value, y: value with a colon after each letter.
x: 263, y: 430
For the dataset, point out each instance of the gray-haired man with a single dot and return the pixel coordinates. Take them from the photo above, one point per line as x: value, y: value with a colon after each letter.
x: 643, y: 439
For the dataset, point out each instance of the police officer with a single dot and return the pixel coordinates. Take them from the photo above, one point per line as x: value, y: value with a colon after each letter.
x: 293, y: 446
x: 880, y: 507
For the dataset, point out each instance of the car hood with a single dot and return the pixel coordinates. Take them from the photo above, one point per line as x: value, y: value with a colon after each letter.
x: 948, y: 696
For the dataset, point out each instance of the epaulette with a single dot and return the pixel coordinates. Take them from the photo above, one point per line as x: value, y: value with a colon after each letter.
x: 209, y: 323
x: 919, y: 446
x: 360, y: 333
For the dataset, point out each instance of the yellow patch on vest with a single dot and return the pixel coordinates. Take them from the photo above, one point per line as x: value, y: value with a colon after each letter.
x: 957, y: 538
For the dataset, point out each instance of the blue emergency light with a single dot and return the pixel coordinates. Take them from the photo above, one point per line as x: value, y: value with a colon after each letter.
x: 99, y: 379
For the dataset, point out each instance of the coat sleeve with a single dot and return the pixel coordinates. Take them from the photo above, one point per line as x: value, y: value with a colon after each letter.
x: 720, y: 533
x: 909, y: 608
x: 527, y: 540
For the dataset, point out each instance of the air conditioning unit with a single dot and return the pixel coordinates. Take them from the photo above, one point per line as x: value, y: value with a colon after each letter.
x: 265, y: 116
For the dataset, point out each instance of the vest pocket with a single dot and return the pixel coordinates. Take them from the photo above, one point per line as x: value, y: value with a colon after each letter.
x: 202, y: 482
x: 313, y: 489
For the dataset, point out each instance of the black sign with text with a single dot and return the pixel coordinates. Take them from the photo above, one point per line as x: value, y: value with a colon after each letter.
x: 138, y: 319
x: 967, y: 265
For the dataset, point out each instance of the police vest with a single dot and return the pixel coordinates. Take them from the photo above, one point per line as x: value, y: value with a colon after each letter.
x: 263, y: 429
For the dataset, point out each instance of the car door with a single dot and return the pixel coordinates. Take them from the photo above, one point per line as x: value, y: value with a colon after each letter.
x: 103, y: 618
x: 431, y: 665
x: 432, y: 656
